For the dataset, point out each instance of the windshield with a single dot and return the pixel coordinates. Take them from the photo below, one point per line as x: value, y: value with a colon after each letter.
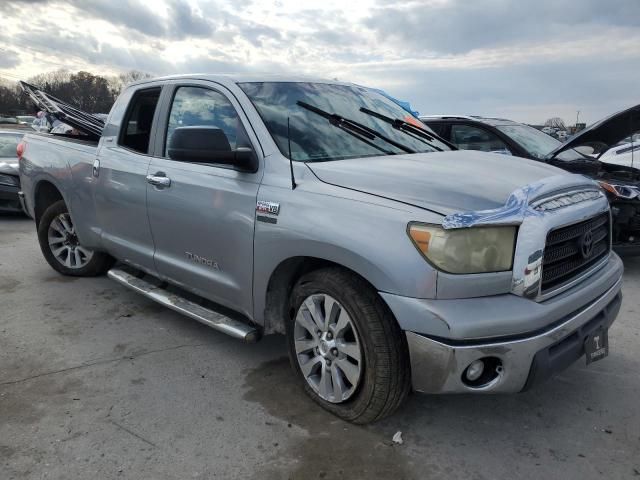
x: 315, y: 138
x: 537, y: 143
x: 8, y: 144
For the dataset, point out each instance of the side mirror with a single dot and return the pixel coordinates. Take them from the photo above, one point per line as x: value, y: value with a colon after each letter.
x: 209, y: 145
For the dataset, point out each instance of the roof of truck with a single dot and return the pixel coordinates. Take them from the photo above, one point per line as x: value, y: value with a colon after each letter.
x: 228, y: 78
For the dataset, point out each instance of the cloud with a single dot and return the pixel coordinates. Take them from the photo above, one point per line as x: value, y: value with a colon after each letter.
x: 523, y: 92
x: 8, y: 59
x: 186, y: 22
x: 493, y: 57
x: 459, y: 26
x: 11, y: 5
x: 132, y: 14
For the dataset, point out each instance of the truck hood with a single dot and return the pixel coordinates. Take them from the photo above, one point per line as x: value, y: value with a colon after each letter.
x: 443, y: 182
x: 608, y: 131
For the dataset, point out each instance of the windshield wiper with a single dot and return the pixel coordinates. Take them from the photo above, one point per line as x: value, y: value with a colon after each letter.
x: 351, y: 127
x: 425, y: 136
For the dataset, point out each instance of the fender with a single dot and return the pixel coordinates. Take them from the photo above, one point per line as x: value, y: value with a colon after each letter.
x: 366, y: 237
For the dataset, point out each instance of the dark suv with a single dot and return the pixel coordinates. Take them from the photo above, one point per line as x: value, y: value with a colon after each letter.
x: 621, y: 183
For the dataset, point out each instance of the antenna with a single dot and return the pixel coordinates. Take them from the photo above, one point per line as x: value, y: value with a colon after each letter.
x: 632, y: 146
x: 293, y: 179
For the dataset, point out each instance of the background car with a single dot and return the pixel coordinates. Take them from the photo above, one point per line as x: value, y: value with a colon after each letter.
x: 621, y: 182
x: 626, y: 153
x: 9, y: 179
x: 25, y: 119
x: 4, y: 120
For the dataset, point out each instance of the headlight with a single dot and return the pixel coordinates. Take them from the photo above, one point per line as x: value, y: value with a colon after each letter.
x: 9, y: 180
x: 465, y: 250
x: 622, y: 191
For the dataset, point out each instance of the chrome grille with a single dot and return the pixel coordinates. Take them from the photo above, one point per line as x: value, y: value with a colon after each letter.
x: 573, y: 249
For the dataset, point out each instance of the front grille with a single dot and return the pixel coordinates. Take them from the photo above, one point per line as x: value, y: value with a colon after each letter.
x: 572, y: 250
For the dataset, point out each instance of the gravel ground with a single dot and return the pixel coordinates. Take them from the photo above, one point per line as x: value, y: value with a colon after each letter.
x: 97, y: 382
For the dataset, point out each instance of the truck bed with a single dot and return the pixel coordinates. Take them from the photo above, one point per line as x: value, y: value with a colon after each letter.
x: 64, y: 138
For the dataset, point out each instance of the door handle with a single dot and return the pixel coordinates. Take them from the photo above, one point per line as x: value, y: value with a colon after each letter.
x: 159, y: 181
x: 96, y: 167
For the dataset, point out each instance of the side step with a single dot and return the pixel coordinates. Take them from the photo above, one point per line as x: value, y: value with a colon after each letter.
x: 175, y: 302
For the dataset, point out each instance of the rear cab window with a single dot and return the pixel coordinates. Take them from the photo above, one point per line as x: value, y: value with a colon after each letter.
x: 136, y: 128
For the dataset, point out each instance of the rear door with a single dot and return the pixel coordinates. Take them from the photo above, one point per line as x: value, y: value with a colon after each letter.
x: 120, y: 171
x: 202, y: 216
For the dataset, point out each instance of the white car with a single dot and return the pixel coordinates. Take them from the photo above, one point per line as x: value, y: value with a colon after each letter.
x: 562, y: 135
x: 625, y: 154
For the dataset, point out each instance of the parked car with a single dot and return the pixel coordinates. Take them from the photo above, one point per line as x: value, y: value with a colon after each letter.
x: 9, y: 179
x: 325, y: 211
x: 621, y: 183
x: 626, y: 153
x: 26, y: 119
x: 548, y: 130
x: 562, y: 135
x: 8, y: 120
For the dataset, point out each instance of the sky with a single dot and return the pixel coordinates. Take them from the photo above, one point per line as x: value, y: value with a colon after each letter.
x: 527, y: 60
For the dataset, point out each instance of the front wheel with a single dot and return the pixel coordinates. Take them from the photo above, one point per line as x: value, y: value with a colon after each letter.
x: 346, y: 346
x: 62, y: 249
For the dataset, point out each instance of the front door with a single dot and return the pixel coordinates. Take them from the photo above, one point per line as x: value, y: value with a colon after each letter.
x: 121, y: 186
x: 202, y: 214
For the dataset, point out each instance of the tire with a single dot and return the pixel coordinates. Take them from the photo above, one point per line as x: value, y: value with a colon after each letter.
x: 56, y: 233
x: 384, y: 378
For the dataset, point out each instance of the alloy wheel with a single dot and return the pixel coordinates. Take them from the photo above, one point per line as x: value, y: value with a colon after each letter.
x: 327, y: 348
x: 64, y: 243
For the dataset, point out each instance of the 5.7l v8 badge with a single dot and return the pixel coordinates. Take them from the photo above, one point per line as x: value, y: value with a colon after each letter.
x: 267, y: 207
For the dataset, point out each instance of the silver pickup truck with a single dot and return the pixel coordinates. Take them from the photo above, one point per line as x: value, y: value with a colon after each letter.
x: 326, y: 212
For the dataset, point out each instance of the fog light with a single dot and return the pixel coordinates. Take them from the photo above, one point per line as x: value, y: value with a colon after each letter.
x: 474, y: 371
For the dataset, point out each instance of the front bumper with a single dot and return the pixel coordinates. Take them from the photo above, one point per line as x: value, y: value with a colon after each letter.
x: 438, y: 366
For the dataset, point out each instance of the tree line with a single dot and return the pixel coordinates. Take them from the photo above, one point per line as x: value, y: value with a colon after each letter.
x: 84, y: 90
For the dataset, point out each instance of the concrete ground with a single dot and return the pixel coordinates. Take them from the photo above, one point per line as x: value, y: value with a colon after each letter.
x: 97, y: 382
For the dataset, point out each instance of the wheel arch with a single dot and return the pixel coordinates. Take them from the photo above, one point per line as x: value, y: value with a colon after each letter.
x: 272, y: 305
x: 46, y: 193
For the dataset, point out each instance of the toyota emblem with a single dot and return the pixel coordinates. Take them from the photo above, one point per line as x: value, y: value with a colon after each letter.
x: 586, y: 244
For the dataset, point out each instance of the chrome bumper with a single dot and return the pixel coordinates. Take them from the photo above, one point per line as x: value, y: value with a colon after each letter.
x: 438, y: 367
x: 23, y: 203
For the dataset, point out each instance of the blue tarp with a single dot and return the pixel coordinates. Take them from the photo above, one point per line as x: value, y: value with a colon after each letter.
x: 402, y: 103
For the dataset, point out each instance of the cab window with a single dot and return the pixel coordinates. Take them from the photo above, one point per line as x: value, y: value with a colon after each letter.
x: 467, y: 137
x: 201, y: 107
x: 136, y: 128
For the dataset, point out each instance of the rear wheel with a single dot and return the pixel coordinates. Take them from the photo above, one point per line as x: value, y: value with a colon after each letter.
x: 62, y: 249
x: 346, y: 346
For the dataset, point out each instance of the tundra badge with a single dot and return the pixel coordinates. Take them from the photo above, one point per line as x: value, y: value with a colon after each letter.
x: 202, y: 260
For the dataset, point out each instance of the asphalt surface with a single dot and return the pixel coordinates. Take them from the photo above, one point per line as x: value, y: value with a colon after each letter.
x: 97, y: 382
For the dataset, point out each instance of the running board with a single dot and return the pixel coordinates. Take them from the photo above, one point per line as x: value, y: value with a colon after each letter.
x: 175, y: 302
